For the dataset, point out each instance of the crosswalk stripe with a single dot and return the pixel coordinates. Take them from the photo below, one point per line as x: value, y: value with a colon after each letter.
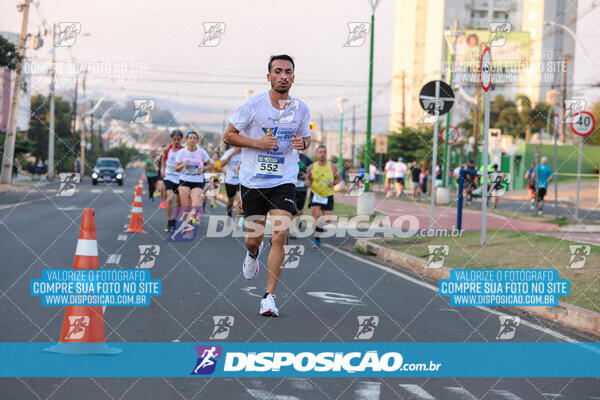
x: 506, y: 394
x: 301, y: 384
x: 122, y: 237
x: 463, y: 393
x: 368, y: 390
x: 260, y: 394
x: 113, y: 259
x: 417, y: 392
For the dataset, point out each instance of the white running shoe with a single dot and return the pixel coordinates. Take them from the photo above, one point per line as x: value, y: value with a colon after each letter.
x: 251, y: 266
x: 267, y: 306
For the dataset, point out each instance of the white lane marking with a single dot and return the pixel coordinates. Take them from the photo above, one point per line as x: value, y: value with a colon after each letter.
x: 96, y: 191
x: 260, y: 394
x: 463, y: 393
x: 21, y: 203
x: 416, y: 392
x: 118, y: 191
x: 113, y: 259
x: 301, y: 384
x: 122, y: 237
x: 506, y: 394
x: 435, y: 289
x: 125, y: 226
x: 368, y: 390
x: 552, y: 395
x: 337, y: 298
x: 248, y: 291
x: 70, y: 208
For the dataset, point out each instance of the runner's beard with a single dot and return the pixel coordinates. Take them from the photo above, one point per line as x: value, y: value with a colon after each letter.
x: 280, y: 89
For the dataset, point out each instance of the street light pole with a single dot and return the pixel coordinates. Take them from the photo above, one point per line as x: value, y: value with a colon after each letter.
x: 11, y: 128
x: 341, y: 102
x: 452, y: 51
x: 52, y: 106
x: 370, y: 102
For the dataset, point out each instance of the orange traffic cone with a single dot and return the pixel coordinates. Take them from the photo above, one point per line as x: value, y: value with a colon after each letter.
x: 136, y: 222
x: 83, y: 326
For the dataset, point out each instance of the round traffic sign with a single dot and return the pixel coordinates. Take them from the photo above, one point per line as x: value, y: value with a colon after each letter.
x: 583, y: 123
x: 486, y: 69
x: 454, y: 135
x: 436, y: 105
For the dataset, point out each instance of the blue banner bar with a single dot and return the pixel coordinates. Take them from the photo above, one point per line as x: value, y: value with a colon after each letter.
x: 222, y: 359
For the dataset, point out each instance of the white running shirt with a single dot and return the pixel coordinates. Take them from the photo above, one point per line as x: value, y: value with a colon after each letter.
x: 170, y: 173
x: 196, y: 160
x: 266, y: 168
x: 231, y: 175
x: 389, y: 170
x: 399, y: 169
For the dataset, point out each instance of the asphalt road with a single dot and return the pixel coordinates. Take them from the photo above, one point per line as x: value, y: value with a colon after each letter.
x: 319, y: 300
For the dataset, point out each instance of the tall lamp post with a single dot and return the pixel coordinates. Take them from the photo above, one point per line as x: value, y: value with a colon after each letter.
x: 451, y: 38
x: 340, y: 102
x: 370, y: 102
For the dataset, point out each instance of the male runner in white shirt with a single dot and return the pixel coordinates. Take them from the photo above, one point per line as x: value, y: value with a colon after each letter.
x: 275, y: 127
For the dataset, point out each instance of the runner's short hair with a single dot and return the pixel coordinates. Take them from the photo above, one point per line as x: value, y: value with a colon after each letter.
x: 322, y: 146
x: 280, y: 57
x: 176, y: 132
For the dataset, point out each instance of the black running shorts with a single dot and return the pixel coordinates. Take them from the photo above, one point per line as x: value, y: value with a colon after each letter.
x: 261, y: 201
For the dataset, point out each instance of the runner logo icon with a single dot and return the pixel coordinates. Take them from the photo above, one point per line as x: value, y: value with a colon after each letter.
x: 357, y: 34
x: 77, y: 326
x: 207, y: 359
x: 141, y: 114
x: 292, y: 256
x: 366, y: 326
x: 579, y: 254
x: 68, y: 32
x: 437, y: 255
x: 212, y: 34
x: 223, y: 324
x: 68, y: 184
x: 499, y: 32
x: 508, y: 327
x: 148, y: 254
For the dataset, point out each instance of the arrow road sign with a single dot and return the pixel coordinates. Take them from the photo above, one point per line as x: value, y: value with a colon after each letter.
x: 439, y: 105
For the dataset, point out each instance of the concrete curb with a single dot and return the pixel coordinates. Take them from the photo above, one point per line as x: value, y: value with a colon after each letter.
x: 566, y: 314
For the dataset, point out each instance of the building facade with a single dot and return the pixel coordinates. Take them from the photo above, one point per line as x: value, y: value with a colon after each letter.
x: 529, y: 62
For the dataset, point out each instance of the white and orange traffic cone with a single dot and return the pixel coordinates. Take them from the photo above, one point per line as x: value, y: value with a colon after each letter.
x: 83, y: 326
x: 136, y: 222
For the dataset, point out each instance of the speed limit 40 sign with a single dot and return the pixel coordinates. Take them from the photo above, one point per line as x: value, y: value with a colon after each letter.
x: 583, y: 123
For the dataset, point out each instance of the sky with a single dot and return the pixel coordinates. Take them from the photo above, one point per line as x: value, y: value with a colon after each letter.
x: 151, y: 49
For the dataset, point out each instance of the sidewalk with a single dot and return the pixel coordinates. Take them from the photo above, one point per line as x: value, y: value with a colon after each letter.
x: 445, y: 217
x: 567, y: 193
x: 23, y: 183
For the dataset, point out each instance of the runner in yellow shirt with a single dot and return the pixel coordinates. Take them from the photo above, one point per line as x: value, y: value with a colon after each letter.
x: 322, y: 176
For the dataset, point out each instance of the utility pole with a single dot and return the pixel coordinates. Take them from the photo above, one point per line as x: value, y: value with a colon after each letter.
x: 353, y: 131
x: 11, y: 131
x: 83, y: 127
x: 52, y: 109
x: 323, y: 134
x: 563, y: 135
x: 476, y: 125
x: 403, y: 99
x: 370, y: 100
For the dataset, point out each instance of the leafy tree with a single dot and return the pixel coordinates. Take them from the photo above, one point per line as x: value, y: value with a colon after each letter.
x: 123, y: 153
x: 9, y: 55
x: 66, y: 147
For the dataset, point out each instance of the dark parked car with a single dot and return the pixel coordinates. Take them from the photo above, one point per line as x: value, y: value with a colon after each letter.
x: 107, y: 169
